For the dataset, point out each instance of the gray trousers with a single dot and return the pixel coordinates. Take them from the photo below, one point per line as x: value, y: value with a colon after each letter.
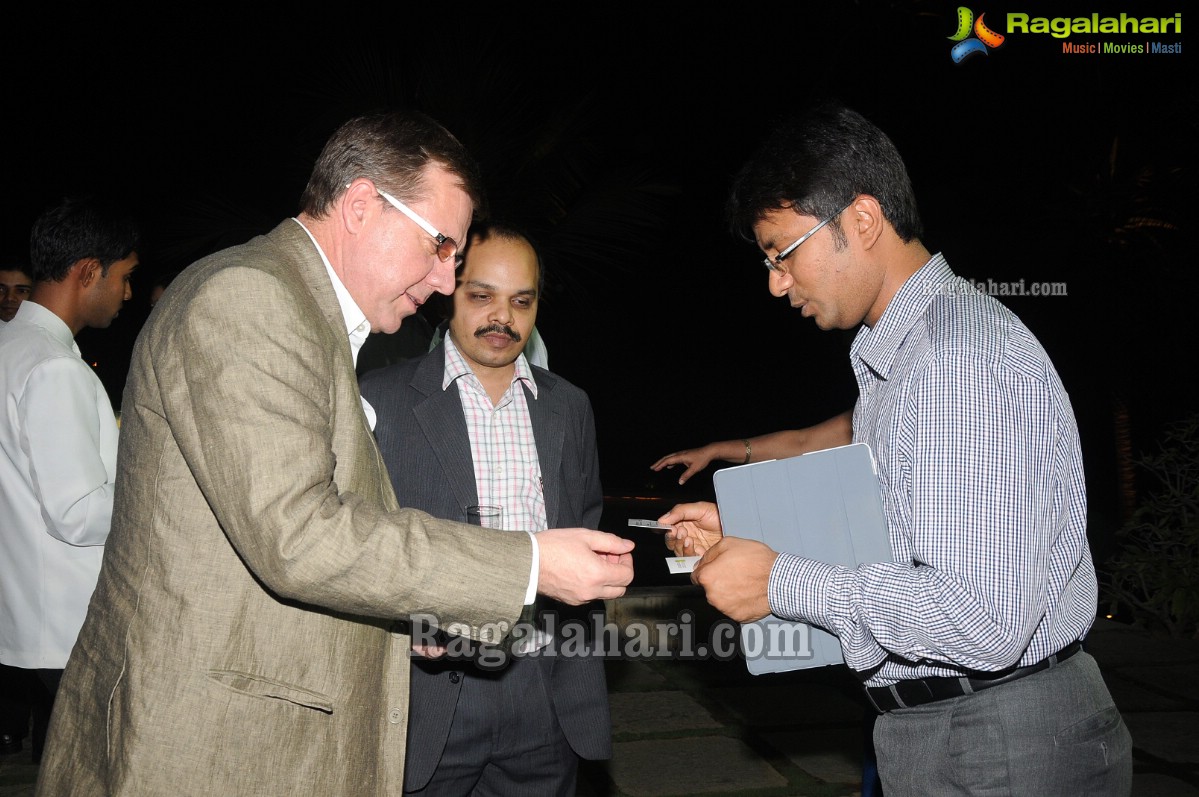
x: 1056, y: 732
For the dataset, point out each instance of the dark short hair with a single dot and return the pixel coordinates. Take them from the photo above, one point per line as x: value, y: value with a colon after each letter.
x: 79, y: 228
x: 485, y: 230
x: 391, y: 149
x: 11, y: 264
x: 817, y: 162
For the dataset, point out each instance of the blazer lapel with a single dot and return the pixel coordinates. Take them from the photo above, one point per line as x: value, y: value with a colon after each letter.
x: 440, y: 417
x: 549, y: 430
x: 291, y: 238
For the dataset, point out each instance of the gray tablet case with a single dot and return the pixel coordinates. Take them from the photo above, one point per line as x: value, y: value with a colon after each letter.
x: 824, y: 505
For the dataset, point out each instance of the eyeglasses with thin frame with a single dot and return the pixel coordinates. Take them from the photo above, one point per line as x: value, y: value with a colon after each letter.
x: 775, y: 264
x: 447, y: 248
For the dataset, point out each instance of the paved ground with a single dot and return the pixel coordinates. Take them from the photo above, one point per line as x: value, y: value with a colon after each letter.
x: 710, y: 728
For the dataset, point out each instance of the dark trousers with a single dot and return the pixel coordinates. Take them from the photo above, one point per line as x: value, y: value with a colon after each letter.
x: 15, y: 705
x: 505, y: 739
x: 25, y: 695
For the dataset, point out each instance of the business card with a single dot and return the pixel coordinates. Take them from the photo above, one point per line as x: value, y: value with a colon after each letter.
x: 651, y: 525
x: 682, y: 564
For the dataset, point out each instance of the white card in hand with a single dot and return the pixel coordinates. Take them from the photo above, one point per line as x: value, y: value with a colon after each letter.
x: 682, y: 564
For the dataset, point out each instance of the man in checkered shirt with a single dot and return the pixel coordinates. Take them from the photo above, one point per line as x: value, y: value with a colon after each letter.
x: 472, y: 422
x: 969, y: 642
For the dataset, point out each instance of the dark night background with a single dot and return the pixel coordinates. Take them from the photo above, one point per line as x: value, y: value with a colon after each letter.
x: 613, y: 132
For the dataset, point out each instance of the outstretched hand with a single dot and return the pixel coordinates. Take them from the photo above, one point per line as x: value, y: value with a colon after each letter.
x: 693, y: 459
x: 580, y: 565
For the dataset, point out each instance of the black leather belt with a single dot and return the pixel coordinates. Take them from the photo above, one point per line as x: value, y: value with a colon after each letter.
x: 917, y: 691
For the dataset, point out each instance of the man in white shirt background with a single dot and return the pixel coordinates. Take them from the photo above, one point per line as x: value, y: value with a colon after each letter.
x: 15, y: 286
x: 58, y: 441
x: 16, y: 283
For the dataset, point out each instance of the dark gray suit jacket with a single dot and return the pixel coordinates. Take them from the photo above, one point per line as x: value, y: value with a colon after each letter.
x: 422, y: 434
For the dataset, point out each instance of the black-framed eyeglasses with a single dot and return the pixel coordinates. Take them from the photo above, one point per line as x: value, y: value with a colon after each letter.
x: 447, y: 248
x: 775, y: 263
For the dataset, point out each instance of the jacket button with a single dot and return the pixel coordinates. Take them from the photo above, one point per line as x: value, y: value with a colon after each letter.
x: 395, y: 716
x: 455, y: 677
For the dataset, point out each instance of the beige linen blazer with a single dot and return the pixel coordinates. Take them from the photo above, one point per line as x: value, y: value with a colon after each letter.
x: 239, y: 641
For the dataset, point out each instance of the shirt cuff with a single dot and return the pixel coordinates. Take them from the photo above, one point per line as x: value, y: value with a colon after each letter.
x: 371, y: 418
x: 531, y: 592
x: 798, y: 589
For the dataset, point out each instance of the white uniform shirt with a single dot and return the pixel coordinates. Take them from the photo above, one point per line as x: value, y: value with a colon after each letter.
x: 58, y: 456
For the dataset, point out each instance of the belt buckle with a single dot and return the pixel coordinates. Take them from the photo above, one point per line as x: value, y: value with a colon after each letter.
x: 914, y: 692
x: 898, y: 695
x: 869, y: 695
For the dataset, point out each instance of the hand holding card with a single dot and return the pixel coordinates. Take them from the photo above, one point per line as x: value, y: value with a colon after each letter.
x: 677, y: 564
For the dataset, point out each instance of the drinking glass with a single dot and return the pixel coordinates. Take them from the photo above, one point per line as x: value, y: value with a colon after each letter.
x: 492, y: 517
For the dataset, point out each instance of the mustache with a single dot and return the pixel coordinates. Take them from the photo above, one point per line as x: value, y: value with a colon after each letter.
x: 498, y: 329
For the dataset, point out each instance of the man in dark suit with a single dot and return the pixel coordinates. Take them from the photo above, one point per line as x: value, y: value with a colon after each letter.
x: 469, y: 423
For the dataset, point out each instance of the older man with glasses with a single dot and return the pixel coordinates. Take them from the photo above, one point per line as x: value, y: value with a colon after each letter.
x: 248, y: 634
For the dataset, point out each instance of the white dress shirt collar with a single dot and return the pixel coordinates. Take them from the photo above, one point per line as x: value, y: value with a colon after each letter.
x: 456, y: 367
x: 46, y: 319
x: 357, y: 327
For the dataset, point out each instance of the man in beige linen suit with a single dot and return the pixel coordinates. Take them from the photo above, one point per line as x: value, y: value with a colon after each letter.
x: 242, y: 638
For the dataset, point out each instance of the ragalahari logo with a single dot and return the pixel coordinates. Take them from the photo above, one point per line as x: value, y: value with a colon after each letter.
x: 968, y: 45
